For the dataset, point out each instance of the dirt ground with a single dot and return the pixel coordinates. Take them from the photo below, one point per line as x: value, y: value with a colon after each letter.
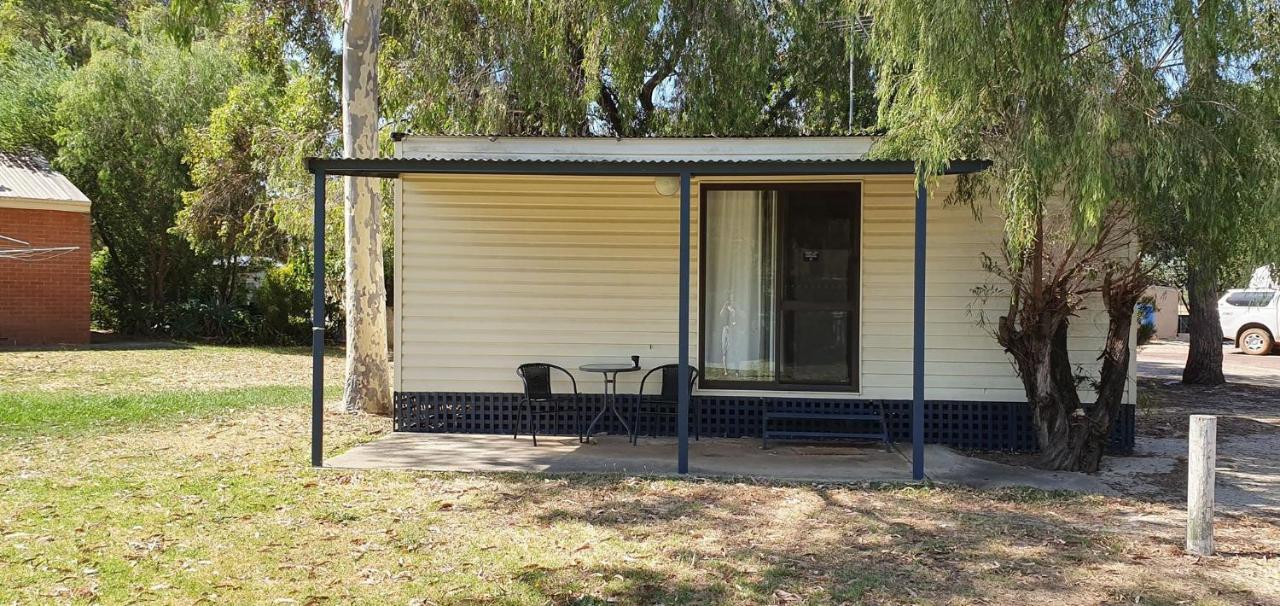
x: 1248, y: 410
x: 1164, y: 360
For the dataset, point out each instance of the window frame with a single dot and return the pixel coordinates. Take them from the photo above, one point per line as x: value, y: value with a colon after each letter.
x: 855, y: 306
x: 1252, y: 294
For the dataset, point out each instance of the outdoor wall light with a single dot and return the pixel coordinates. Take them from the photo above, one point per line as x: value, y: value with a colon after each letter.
x: 667, y: 186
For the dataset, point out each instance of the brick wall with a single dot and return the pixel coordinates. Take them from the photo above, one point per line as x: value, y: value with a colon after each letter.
x: 45, y: 302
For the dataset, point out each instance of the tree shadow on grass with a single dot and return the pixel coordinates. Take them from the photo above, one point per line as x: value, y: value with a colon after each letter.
x: 123, y: 345
x: 782, y: 544
x: 624, y: 584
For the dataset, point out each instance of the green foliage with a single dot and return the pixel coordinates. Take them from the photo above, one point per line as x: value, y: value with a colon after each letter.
x: 1215, y: 150
x: 625, y: 68
x: 1145, y: 331
x: 122, y: 119
x: 31, y: 77
x: 65, y: 27
x: 283, y: 304
x: 185, y: 18
x: 103, y: 294
x: 228, y: 214
x: 1051, y: 92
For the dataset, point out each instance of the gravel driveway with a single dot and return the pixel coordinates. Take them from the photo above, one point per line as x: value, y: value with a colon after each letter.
x: 1248, y: 409
x: 1164, y: 360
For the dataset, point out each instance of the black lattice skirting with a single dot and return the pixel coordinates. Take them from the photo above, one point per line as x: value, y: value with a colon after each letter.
x: 1003, y: 426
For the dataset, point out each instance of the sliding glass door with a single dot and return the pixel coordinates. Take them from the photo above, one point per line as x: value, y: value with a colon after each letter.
x: 780, y: 286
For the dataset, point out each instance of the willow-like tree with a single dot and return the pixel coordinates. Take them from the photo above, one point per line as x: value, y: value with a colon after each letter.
x: 625, y: 68
x: 1217, y: 158
x: 228, y: 214
x: 1052, y: 93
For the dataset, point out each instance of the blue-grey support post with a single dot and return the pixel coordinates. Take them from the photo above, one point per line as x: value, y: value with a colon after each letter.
x: 683, y: 395
x: 317, y: 329
x: 917, y: 331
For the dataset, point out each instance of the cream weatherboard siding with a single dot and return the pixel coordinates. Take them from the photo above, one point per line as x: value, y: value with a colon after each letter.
x: 496, y: 271
x: 493, y: 271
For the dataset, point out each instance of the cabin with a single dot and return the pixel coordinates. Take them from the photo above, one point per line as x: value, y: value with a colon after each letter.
x: 801, y: 285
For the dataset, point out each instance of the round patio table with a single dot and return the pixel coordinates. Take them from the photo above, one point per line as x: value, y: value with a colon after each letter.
x: 609, y: 370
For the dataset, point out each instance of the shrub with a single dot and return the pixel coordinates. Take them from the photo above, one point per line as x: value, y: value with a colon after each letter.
x: 283, y: 305
x: 200, y: 320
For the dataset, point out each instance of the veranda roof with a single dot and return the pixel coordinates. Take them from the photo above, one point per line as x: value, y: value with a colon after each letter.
x: 633, y: 156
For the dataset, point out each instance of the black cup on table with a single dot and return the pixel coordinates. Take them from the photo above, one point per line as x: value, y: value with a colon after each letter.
x: 635, y: 361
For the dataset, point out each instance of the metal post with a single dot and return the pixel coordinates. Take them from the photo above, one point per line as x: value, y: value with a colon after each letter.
x: 317, y: 328
x: 682, y: 418
x: 917, y: 347
x: 1202, y: 454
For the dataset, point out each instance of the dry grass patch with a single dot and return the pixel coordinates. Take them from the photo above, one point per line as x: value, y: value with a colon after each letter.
x: 217, y: 505
x: 160, y: 367
x: 224, y: 509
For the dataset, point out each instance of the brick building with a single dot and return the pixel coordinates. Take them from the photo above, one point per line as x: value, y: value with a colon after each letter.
x: 44, y: 255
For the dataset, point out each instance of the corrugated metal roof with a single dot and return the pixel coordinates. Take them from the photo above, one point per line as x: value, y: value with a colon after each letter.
x: 395, y: 167
x: 27, y: 176
x: 644, y: 149
x: 866, y: 132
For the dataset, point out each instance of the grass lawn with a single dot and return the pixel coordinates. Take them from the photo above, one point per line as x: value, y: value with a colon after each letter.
x: 180, y: 476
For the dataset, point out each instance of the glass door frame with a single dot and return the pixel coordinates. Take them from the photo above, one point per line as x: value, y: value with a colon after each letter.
x: 854, y: 188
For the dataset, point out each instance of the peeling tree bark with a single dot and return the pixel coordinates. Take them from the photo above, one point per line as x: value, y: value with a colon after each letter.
x: 368, y: 378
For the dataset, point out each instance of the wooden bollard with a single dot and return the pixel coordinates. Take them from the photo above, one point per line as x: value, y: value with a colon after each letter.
x: 1201, y: 458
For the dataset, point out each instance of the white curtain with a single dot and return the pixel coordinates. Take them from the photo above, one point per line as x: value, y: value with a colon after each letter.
x: 740, y: 259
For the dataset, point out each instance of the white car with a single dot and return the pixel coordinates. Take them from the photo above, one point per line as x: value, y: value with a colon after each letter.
x: 1251, y: 316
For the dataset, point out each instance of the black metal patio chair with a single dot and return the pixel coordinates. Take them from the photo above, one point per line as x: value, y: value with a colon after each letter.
x: 665, y: 404
x: 540, y: 400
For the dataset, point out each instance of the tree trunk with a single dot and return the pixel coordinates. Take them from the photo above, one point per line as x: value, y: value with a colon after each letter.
x: 1071, y: 437
x: 1204, y: 359
x: 368, y: 381
x: 1044, y: 365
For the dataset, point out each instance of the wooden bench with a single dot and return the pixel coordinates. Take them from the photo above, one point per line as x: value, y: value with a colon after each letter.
x: 846, y: 419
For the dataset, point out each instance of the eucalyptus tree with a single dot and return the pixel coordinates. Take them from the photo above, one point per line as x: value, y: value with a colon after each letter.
x: 1054, y: 93
x: 368, y: 376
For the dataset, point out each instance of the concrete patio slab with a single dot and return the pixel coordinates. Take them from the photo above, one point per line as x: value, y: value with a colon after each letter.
x: 713, y: 457
x: 614, y: 454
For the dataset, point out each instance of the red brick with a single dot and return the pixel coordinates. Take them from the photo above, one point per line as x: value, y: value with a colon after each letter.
x: 45, y: 302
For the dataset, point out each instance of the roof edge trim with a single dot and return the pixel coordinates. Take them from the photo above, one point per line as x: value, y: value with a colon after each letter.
x: 394, y: 167
x: 71, y: 206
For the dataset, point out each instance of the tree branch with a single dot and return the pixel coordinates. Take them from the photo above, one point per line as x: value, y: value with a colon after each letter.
x: 609, y: 103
